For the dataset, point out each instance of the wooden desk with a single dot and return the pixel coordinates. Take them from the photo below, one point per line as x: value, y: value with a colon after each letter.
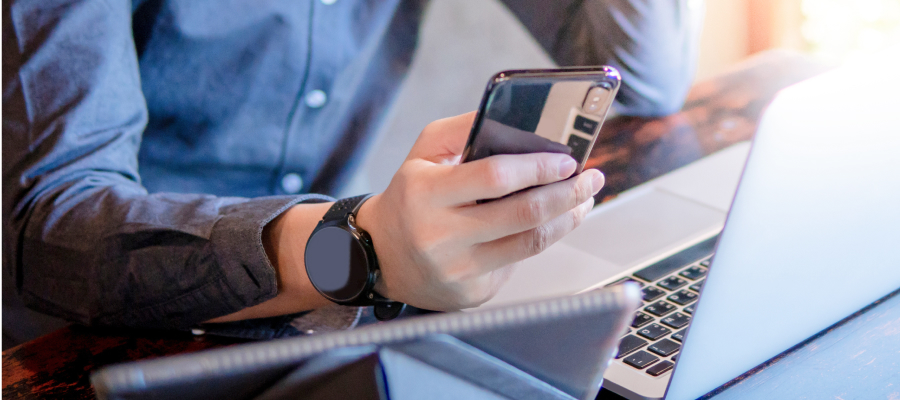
x: 718, y: 113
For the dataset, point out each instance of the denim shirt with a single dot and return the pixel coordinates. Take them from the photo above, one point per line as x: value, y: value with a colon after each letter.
x: 147, y: 144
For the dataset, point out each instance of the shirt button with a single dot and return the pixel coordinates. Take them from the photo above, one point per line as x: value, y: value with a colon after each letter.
x: 291, y: 183
x: 328, y: 2
x: 316, y: 99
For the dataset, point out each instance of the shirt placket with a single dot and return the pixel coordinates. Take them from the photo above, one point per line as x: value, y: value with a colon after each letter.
x: 301, y: 155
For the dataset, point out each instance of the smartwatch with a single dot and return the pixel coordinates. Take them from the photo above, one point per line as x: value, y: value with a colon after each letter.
x: 341, y: 263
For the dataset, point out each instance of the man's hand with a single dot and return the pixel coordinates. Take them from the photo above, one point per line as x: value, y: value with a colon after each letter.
x: 437, y: 248
x: 440, y: 250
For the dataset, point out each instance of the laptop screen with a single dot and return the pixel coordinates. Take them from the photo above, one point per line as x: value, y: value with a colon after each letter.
x: 813, y: 231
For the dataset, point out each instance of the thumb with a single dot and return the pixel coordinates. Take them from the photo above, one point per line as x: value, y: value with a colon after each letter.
x: 443, y: 141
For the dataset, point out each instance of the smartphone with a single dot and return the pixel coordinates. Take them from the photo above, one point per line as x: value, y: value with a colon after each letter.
x: 543, y: 110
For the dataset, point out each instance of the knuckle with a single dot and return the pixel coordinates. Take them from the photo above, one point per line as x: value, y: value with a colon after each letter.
x: 538, y: 241
x: 578, y: 216
x: 545, y: 171
x: 582, y: 191
x: 530, y: 212
x: 497, y: 175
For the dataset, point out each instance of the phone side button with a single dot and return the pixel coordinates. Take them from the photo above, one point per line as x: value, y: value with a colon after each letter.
x: 579, y: 147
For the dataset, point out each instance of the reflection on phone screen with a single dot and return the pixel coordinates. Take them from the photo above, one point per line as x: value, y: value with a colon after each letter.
x: 541, y: 115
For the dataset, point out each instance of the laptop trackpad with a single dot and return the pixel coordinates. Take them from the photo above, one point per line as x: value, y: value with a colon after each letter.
x: 643, y: 226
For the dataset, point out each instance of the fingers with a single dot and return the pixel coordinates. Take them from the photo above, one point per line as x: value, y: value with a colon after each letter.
x: 500, y: 175
x: 443, y: 139
x: 531, y: 208
x: 517, y: 247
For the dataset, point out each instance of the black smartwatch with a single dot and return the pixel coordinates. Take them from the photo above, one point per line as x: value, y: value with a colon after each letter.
x: 341, y: 263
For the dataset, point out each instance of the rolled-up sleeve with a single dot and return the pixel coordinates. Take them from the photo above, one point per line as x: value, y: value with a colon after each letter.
x: 82, y: 238
x: 653, y: 43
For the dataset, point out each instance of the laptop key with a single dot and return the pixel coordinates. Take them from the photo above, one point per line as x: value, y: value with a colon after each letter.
x: 651, y: 293
x: 676, y: 262
x: 664, y: 347
x: 629, y: 344
x: 660, y: 368
x: 689, y: 309
x: 679, y: 336
x: 653, y: 331
x: 693, y: 273
x: 660, y: 308
x: 677, y: 320
x: 672, y: 283
x: 641, y: 359
x: 682, y: 297
x: 696, y: 287
x: 705, y: 263
x: 640, y: 319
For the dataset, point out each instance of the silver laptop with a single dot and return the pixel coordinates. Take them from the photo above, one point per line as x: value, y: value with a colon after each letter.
x: 818, y: 206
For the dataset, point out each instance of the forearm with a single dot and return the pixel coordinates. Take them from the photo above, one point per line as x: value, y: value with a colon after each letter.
x: 111, y: 255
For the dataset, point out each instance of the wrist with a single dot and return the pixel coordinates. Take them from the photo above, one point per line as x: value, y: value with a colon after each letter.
x: 284, y: 239
x: 341, y: 260
x: 366, y: 217
x: 367, y: 220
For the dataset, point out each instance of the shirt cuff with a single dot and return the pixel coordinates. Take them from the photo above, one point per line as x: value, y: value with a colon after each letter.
x: 237, y: 244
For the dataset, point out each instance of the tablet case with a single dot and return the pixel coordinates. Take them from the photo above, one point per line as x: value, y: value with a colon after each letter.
x: 438, y: 367
x: 550, y: 349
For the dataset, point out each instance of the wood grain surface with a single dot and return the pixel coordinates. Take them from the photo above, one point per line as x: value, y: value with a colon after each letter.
x: 58, y: 365
x: 718, y: 113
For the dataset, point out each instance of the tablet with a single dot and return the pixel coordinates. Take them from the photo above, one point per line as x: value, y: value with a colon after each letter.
x: 555, y: 348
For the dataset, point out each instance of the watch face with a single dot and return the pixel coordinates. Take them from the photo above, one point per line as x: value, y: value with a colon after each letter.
x: 336, y: 263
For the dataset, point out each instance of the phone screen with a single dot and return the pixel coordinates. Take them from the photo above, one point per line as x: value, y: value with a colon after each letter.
x: 548, y: 111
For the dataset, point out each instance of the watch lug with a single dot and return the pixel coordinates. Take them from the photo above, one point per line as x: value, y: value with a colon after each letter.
x: 387, y: 310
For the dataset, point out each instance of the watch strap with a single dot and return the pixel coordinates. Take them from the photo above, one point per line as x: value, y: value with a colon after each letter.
x: 383, y: 308
x: 343, y: 208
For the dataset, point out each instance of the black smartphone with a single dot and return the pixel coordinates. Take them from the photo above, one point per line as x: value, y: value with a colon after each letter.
x: 543, y: 110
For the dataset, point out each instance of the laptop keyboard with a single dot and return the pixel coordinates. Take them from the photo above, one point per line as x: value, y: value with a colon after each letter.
x: 669, y: 293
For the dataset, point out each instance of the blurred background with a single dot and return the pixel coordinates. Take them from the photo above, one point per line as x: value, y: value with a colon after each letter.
x: 464, y: 42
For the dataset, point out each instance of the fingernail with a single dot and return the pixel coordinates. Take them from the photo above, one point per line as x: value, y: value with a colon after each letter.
x: 598, y: 181
x: 566, y: 167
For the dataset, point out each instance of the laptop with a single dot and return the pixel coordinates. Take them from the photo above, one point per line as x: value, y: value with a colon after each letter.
x: 818, y: 209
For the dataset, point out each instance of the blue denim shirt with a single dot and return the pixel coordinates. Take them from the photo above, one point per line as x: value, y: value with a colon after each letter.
x: 145, y: 143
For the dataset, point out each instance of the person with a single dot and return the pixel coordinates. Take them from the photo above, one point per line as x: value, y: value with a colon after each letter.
x: 161, y: 158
